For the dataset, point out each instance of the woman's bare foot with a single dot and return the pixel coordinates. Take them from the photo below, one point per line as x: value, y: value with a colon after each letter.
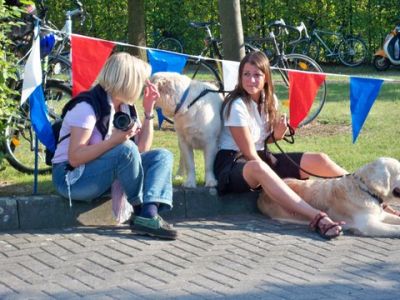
x: 390, y: 210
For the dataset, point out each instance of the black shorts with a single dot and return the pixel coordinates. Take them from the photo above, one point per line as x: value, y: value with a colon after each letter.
x: 228, y: 169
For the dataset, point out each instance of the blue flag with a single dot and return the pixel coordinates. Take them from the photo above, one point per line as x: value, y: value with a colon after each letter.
x: 32, y: 89
x: 363, y: 92
x: 162, y: 61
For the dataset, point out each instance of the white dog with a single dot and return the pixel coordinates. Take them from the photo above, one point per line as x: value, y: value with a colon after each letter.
x: 355, y: 199
x: 197, y: 121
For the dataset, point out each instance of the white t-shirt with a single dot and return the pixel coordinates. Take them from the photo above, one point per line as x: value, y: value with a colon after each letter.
x: 242, y: 115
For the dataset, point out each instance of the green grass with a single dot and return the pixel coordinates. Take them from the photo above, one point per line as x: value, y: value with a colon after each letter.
x: 331, y: 133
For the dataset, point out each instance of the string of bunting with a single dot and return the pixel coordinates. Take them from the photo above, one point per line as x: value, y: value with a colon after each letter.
x: 89, y: 55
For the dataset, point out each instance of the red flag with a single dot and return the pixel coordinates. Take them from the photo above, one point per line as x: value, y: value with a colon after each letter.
x: 303, y: 88
x: 88, y: 57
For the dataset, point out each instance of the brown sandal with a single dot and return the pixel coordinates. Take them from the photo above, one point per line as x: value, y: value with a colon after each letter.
x: 322, y: 229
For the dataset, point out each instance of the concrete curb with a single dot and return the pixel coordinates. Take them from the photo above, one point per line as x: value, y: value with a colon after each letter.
x: 51, y: 211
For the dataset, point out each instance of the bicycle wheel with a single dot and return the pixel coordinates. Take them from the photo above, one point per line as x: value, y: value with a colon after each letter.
x: 267, y: 46
x: 352, y: 52
x: 381, y: 63
x: 19, y: 136
x: 281, y: 81
x: 59, y: 68
x: 56, y: 94
x: 250, y: 48
x: 308, y: 48
x: 200, y: 70
x: 170, y: 44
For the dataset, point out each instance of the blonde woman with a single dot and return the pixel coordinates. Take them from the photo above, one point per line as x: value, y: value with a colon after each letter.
x: 92, y: 154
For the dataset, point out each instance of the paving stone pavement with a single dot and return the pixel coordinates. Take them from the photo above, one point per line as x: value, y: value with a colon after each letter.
x: 229, y: 257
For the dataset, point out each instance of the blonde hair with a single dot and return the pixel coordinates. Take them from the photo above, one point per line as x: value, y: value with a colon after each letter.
x: 123, y: 76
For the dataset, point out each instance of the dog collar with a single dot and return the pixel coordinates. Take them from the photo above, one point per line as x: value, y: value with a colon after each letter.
x: 365, y: 190
x: 183, y: 98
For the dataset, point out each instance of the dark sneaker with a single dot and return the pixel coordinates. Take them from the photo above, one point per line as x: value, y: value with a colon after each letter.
x: 156, y: 227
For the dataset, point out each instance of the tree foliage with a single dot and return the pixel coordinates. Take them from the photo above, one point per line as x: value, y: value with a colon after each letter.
x: 371, y: 19
x: 8, y: 17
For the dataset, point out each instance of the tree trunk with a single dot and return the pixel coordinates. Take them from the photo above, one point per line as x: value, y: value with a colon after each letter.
x: 137, y: 28
x: 231, y: 29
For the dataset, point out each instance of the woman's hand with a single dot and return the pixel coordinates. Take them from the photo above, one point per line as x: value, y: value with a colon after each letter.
x: 150, y: 96
x: 119, y: 136
x: 280, y: 127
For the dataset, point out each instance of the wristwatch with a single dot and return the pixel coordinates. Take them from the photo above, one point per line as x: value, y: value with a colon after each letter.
x: 148, y: 117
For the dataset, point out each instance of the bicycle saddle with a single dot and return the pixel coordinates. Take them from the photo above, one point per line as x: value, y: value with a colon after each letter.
x: 202, y: 24
x: 277, y: 23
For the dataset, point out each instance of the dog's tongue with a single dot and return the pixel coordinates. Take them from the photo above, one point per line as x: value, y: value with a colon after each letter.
x: 396, y: 192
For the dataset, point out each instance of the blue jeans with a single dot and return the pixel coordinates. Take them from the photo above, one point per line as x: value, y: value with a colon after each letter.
x: 145, y: 177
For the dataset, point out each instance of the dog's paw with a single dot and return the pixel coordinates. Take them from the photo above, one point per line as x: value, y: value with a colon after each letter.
x: 211, y: 183
x: 189, y: 184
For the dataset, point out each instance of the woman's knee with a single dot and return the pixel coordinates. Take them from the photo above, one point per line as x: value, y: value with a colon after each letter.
x: 127, y: 149
x: 164, y: 155
x: 319, y: 158
x: 160, y: 154
x: 256, y: 167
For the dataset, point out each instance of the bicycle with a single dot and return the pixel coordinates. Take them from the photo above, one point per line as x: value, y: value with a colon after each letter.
x: 266, y: 44
x: 349, y: 50
x: 56, y: 61
x: 201, y: 68
x: 165, y: 40
x: 19, y: 136
x: 59, y: 64
x: 293, y: 61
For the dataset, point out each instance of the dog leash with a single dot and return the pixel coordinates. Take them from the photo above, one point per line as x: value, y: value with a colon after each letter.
x: 289, y: 138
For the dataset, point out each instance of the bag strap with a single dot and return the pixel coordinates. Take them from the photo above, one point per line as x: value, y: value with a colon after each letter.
x: 63, y: 138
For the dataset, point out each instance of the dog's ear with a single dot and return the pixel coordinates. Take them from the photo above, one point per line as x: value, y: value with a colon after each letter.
x: 376, y: 176
x: 162, y: 84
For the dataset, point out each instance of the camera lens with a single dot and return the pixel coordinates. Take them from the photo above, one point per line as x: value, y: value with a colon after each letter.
x: 123, y: 121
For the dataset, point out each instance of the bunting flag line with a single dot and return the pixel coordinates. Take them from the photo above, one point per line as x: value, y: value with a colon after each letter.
x: 300, y: 98
x: 32, y: 88
x: 299, y: 107
x: 88, y: 57
x: 230, y: 70
x: 363, y: 92
x: 208, y: 58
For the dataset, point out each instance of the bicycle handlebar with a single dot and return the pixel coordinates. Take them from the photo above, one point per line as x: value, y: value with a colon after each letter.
x: 280, y: 24
x: 75, y: 12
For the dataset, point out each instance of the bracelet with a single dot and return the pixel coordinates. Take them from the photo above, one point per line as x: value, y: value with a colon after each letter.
x: 148, y: 117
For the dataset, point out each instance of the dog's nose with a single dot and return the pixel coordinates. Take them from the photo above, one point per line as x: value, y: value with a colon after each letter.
x: 396, y: 192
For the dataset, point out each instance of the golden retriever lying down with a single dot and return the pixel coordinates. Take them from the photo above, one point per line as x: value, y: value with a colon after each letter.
x: 197, y: 121
x: 355, y: 199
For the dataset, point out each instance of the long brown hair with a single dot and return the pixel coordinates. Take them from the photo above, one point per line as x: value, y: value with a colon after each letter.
x: 260, y: 61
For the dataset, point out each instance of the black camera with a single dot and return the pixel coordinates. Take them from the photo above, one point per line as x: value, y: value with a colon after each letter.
x: 123, y: 121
